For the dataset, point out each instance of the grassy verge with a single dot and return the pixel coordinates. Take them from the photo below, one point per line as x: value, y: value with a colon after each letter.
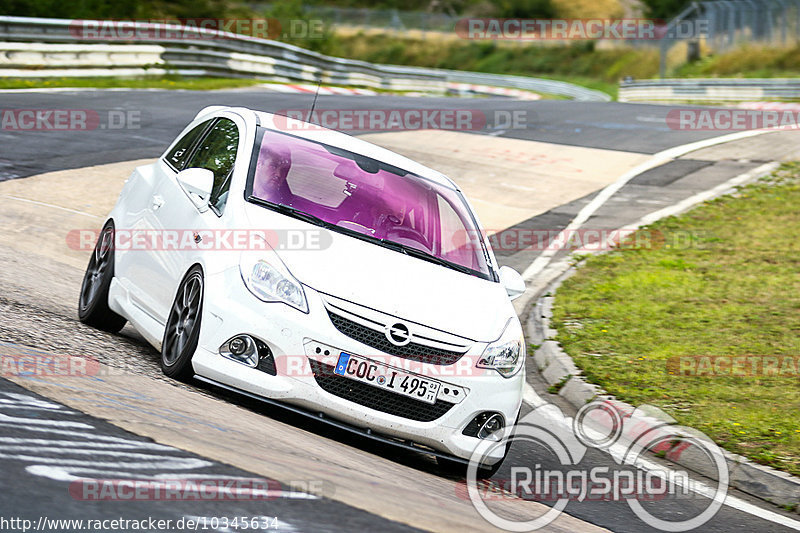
x: 580, y: 63
x: 735, y: 291
x: 155, y: 82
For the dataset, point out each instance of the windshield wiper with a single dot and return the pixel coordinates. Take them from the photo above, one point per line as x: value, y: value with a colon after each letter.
x: 427, y: 256
x: 311, y: 219
x: 291, y: 211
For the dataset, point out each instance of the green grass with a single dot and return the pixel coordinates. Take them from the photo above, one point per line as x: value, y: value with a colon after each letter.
x: 580, y: 63
x: 734, y: 291
x: 154, y: 82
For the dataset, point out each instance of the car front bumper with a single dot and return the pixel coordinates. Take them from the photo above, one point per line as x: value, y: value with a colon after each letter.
x: 230, y: 309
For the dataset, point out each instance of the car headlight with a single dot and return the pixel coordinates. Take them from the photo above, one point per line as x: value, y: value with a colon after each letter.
x: 506, y: 354
x: 269, y: 280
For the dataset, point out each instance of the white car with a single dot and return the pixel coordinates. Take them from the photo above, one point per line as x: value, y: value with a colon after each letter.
x: 304, y: 265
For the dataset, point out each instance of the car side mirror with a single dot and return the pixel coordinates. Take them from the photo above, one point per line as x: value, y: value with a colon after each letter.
x: 198, y: 183
x: 512, y: 281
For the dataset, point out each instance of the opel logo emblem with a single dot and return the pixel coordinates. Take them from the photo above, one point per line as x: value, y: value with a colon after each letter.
x: 398, y: 334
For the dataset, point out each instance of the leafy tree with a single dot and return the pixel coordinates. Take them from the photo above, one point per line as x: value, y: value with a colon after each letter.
x: 664, y: 9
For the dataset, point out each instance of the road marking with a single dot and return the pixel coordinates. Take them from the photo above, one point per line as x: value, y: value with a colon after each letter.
x: 700, y: 197
x: 621, y: 450
x: 47, y: 456
x: 43, y: 204
x: 695, y: 199
x: 530, y: 397
x: 541, y: 262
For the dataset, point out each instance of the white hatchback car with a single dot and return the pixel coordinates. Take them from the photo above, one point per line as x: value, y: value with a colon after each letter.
x: 304, y: 265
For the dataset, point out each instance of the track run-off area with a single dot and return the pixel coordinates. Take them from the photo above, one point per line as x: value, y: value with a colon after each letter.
x: 531, y: 165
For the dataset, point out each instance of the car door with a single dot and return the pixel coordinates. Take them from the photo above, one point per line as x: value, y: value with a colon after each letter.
x: 134, y: 264
x: 182, y: 225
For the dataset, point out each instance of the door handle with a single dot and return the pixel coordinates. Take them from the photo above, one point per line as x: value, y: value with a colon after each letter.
x: 158, y: 201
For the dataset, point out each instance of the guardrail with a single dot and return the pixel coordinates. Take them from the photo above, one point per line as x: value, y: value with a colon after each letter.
x: 31, y: 47
x: 709, y: 90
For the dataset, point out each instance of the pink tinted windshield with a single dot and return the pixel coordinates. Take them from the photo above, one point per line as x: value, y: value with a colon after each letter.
x: 362, y: 195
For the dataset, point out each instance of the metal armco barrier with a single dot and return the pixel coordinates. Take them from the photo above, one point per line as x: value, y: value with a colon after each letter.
x: 709, y: 90
x: 33, y: 47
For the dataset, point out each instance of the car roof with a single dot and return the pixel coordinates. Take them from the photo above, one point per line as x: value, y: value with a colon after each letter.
x: 338, y: 139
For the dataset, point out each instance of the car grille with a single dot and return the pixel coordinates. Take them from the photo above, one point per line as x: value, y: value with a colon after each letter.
x: 377, y: 340
x: 375, y: 398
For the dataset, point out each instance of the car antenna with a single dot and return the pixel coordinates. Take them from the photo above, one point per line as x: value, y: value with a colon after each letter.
x: 314, y: 103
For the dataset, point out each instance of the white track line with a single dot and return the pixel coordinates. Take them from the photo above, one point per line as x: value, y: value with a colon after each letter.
x: 619, y: 451
x: 688, y: 203
x: 43, y: 204
x: 541, y: 262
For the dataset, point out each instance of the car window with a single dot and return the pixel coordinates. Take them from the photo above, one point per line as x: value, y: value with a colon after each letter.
x: 183, y: 148
x: 217, y: 153
x: 368, y: 196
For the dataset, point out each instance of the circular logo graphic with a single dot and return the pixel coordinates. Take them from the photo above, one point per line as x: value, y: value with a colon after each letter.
x: 398, y: 334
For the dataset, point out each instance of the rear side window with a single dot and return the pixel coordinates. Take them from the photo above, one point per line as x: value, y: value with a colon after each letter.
x: 217, y: 153
x: 180, y: 153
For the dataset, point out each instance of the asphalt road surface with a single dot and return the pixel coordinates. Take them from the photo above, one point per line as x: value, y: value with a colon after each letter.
x: 158, y: 116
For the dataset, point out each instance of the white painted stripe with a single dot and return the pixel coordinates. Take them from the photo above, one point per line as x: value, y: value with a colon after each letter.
x: 688, y: 203
x: 168, y: 462
x: 598, y: 201
x: 620, y: 450
x: 44, y: 204
x: 530, y: 397
x: 21, y: 422
x: 81, y: 444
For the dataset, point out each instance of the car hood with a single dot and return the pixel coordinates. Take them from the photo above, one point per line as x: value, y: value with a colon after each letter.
x: 406, y: 287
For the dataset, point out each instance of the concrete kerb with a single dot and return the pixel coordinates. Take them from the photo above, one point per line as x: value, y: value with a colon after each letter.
x: 559, y: 371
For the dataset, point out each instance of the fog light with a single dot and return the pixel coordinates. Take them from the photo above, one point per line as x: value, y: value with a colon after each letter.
x: 241, y: 349
x: 237, y: 346
x: 485, y: 426
x: 490, y: 428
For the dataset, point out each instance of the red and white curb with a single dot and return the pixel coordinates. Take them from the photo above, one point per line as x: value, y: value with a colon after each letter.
x: 468, y: 88
x: 461, y: 89
x: 309, y: 88
x: 771, y: 106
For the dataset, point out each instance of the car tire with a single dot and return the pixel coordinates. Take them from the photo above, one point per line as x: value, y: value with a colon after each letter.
x: 93, y: 309
x: 182, y: 332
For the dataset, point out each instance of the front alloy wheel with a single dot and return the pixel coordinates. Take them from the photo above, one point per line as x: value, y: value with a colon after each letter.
x: 183, y: 327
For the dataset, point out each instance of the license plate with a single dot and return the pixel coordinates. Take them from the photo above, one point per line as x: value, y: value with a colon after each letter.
x: 386, y: 377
